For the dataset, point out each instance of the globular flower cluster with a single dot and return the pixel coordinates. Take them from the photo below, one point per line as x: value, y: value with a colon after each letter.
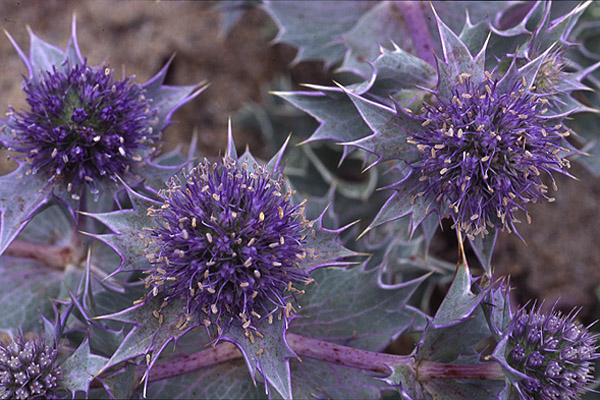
x: 553, y: 351
x: 229, y: 241
x: 83, y: 125
x: 28, y: 369
x: 551, y: 75
x: 482, y: 151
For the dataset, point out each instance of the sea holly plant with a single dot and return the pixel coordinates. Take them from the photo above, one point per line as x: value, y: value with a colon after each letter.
x: 127, y: 273
x: 83, y: 128
x: 473, y: 145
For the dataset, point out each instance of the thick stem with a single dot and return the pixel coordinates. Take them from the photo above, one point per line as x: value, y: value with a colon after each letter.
x: 428, y: 370
x: 414, y: 17
x: 222, y: 352
x: 346, y: 356
x: 328, y: 352
x: 53, y: 256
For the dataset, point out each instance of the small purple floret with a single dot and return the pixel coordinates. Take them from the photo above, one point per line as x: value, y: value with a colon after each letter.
x: 228, y: 241
x: 482, y: 151
x: 561, y: 370
x: 28, y: 369
x: 83, y: 126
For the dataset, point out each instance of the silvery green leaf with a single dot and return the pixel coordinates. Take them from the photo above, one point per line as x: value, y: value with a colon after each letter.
x: 120, y: 384
x: 80, y: 368
x: 27, y: 285
x: 315, y: 28
x: 328, y: 250
x: 268, y: 355
x: 43, y: 56
x: 21, y: 195
x: 456, y: 342
x: 460, y: 301
x: 352, y: 189
x: 404, y: 203
x: 389, y: 130
x: 474, y: 36
x: 149, y: 334
x: 550, y: 32
x: 484, y: 249
x: 336, y: 114
x: 166, y: 99
x: 457, y: 60
x: 396, y: 69
x: 405, y: 379
x: 127, y: 225
x: 313, y: 379
x: 228, y: 380
x: 353, y: 307
x: 497, y: 309
x: 450, y: 389
x: 381, y: 24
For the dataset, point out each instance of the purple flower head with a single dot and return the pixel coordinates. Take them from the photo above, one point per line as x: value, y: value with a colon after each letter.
x: 83, y: 126
x: 229, y: 241
x: 84, y: 130
x: 553, y: 352
x: 482, y: 151
x: 28, y: 369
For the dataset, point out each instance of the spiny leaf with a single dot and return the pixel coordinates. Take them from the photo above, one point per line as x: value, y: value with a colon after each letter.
x: 268, y: 355
x: 496, y: 308
x: 549, y: 32
x: 456, y: 343
x: 27, y: 285
x: 228, y: 380
x: 404, y: 203
x: 353, y: 307
x: 149, y: 334
x: 167, y: 99
x: 21, y: 195
x: 405, y: 378
x: 396, y: 69
x: 315, y: 28
x: 127, y: 226
x: 80, y: 368
x: 121, y: 384
x: 457, y: 60
x: 380, y: 24
x: 336, y: 114
x: 327, y: 249
x: 460, y: 301
x: 484, y: 249
x: 43, y: 56
x: 390, y: 129
x: 313, y: 379
x: 449, y: 389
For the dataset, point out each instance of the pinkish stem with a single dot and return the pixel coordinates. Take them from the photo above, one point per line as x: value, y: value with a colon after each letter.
x: 346, y: 356
x: 53, y: 256
x: 331, y: 353
x: 428, y: 370
x: 414, y: 17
